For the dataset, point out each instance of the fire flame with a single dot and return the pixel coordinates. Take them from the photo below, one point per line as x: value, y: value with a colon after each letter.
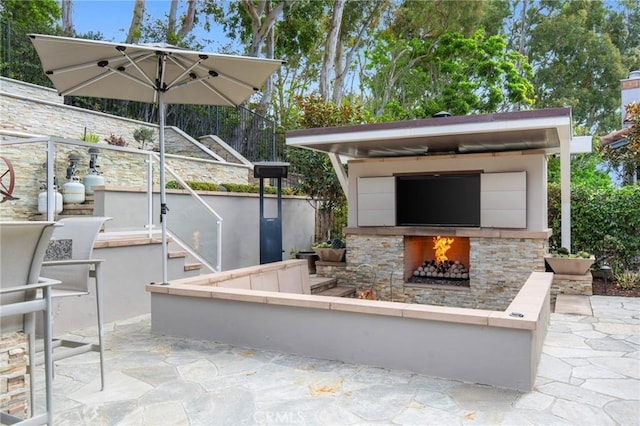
x: 441, y: 245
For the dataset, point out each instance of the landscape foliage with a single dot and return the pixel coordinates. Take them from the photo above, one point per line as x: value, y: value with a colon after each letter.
x: 605, y: 221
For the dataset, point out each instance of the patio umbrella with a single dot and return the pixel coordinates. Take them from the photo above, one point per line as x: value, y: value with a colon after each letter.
x: 154, y: 73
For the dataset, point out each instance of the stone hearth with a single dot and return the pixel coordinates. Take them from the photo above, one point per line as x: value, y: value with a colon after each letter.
x: 499, y: 262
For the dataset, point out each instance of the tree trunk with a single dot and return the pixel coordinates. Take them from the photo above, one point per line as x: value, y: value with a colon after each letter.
x: 329, y: 60
x: 263, y: 17
x: 171, y: 24
x: 67, y: 18
x: 136, y: 22
x: 324, y: 224
x: 189, y: 19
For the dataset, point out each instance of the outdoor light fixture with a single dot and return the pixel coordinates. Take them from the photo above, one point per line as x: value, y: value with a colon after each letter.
x: 606, y: 270
x: 270, y: 170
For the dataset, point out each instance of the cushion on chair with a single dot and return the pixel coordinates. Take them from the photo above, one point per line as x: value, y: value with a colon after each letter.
x: 59, y: 250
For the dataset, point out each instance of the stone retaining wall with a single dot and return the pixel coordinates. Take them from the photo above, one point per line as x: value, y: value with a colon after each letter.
x: 14, y: 386
x: 119, y: 167
x: 571, y: 284
x: 333, y: 270
x: 29, y: 110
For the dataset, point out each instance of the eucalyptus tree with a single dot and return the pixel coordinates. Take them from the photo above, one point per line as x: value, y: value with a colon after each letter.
x: 433, y: 56
x: 577, y: 64
x: 175, y: 27
x: 67, y: 18
x: 458, y: 74
x: 349, y: 26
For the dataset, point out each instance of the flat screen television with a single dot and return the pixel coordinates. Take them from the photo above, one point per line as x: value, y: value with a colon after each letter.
x: 438, y: 200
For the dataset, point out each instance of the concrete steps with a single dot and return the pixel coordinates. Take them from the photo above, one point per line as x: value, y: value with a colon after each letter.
x: 71, y: 209
x: 329, y: 287
x: 188, y: 266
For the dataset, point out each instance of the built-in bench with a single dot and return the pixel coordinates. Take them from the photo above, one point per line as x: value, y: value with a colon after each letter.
x: 288, y: 276
x: 480, y: 346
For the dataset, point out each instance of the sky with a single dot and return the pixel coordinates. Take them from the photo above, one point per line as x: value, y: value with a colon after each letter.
x: 113, y: 17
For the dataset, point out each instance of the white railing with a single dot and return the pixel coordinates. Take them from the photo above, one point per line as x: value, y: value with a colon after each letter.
x: 211, y: 256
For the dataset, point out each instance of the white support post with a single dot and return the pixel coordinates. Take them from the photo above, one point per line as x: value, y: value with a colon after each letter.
x: 149, y: 225
x: 565, y: 193
x: 341, y: 173
x: 51, y: 192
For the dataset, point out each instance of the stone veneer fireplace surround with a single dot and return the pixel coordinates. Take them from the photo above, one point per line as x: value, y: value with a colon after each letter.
x: 500, y: 261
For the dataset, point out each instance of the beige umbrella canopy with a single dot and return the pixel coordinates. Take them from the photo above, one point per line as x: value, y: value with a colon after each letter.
x: 158, y: 73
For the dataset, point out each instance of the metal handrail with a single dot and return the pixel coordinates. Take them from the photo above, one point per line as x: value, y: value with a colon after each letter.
x: 182, y: 183
x: 51, y: 150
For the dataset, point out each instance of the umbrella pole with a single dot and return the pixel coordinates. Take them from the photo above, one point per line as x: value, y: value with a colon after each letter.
x: 163, y: 196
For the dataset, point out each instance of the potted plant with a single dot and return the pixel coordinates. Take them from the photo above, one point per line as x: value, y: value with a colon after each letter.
x: 565, y: 263
x: 143, y: 135
x: 331, y: 251
x: 308, y: 254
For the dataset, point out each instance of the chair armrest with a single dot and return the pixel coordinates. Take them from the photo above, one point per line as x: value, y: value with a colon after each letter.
x: 72, y: 262
x: 42, y: 282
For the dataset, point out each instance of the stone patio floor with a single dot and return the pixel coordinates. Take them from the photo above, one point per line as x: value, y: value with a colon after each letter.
x: 589, y: 374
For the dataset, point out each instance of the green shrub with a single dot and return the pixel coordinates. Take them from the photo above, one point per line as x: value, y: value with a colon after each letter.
x: 143, y: 135
x: 227, y: 187
x: 90, y: 137
x: 628, y: 280
x: 604, y: 221
x: 196, y: 186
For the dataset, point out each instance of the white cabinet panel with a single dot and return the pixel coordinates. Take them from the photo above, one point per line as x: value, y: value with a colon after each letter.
x: 503, y: 200
x: 376, y: 201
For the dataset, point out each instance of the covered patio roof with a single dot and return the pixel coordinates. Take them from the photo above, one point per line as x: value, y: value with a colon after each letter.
x: 542, y: 129
x: 548, y: 130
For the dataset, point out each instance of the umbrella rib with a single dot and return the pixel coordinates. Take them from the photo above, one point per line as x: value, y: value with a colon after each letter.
x: 87, y: 82
x: 231, y: 79
x: 202, y: 79
x: 77, y: 67
x: 86, y: 65
x: 131, y: 77
x: 135, y: 65
x: 185, y: 71
x: 216, y: 91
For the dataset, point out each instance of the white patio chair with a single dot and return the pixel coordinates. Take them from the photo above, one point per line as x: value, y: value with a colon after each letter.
x: 22, y: 249
x: 69, y: 260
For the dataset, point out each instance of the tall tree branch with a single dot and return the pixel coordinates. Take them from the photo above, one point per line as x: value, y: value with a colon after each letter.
x: 333, y: 38
x: 67, y: 18
x: 136, y: 22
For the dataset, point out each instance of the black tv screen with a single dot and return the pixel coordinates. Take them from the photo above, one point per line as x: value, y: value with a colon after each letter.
x: 438, y: 200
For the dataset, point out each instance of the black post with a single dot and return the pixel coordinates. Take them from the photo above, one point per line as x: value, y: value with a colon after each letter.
x: 270, y: 228
x: 605, y: 274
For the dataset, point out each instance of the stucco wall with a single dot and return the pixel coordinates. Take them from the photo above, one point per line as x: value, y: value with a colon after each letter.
x: 239, y: 212
x: 489, y: 347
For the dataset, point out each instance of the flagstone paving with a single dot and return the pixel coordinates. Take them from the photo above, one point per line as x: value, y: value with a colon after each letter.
x: 589, y: 374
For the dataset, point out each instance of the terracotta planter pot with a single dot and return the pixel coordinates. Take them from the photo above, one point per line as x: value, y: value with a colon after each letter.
x: 330, y: 254
x: 570, y: 266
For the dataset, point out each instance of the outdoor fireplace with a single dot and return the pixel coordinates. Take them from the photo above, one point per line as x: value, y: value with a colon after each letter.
x: 436, y: 260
